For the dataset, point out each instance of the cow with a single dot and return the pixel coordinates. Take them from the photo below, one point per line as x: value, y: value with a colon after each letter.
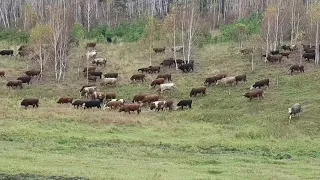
x: 65, y: 100
x: 159, y: 50
x: 214, y: 79
x: 274, y: 58
x: 139, y: 97
x: 87, y: 90
x: 142, y: 70
x: 183, y: 103
x: 294, y: 110
x: 79, y: 103
x: 111, y: 81
x: 138, y: 77
x: 168, y: 62
x: 186, y: 67
x: 34, y: 102
x: 2, y: 74
x: 227, y: 80
x: 109, y: 40
x: 91, y: 45
x: 156, y: 82
x: 95, y: 73
x: 288, y: 47
x: 16, y: 83
x: 150, y: 98
x: 114, y: 104
x: 112, y: 100
x: 274, y: 52
x: 111, y: 75
x: 242, y: 77
x: 33, y: 73
x: 23, y: 53
x: 195, y: 91
x: 261, y: 83
x: 90, y: 69
x: 127, y: 108
x: 98, y: 96
x: 296, y: 67
x: 157, y: 105
x: 246, y: 51
x: 309, y: 56
x: 99, y: 61
x: 258, y: 93
x: 90, y: 54
x: 92, y: 78
x: 154, y: 69
x: 165, y: 76
x: 285, y: 54
x: 166, y: 87
x: 110, y: 95
x: 179, y: 62
x: 177, y: 49
x: 91, y: 104
x: 23, y: 48
x: 6, y: 53
x: 25, y: 79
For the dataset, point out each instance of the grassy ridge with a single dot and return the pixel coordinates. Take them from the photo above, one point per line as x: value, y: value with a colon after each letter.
x: 222, y: 137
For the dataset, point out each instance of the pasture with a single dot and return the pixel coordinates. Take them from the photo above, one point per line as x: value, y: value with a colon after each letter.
x: 222, y: 137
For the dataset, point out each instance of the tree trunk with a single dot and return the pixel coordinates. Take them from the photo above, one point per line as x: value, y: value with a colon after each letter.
x: 317, y: 45
x: 190, y: 34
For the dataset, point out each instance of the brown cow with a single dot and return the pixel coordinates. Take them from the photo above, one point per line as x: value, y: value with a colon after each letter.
x: 211, y: 80
x: 254, y: 93
x: 15, y: 83
x: 33, y: 72
x: 242, y: 77
x: 30, y: 102
x: 111, y: 75
x: 110, y: 95
x: 159, y: 50
x: 127, y: 108
x: 91, y: 45
x: 114, y: 104
x: 200, y: 90
x: 65, y: 100
x: 139, y: 77
x: 139, y: 97
x: 2, y: 74
x: 220, y: 76
x: 165, y: 76
x: 296, y: 67
x: 98, y: 95
x: 169, y: 105
x: 157, y: 105
x: 150, y: 98
x: 156, y: 82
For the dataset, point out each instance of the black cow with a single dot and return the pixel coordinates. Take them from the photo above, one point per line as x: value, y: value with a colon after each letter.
x: 309, y: 56
x: 183, y: 103
x: 242, y: 77
x: 296, y: 67
x: 6, y: 52
x: 92, y: 104
x: 95, y: 73
x: 25, y: 79
x: 111, y: 75
x: 109, y: 40
x: 186, y: 67
x: 78, y: 103
x: 30, y: 102
x: 261, y: 83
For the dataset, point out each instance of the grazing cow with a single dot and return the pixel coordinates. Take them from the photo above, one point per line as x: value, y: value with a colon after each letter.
x: 157, y: 105
x: 87, y: 90
x: 33, y: 73
x: 156, y: 82
x: 294, y: 110
x: 79, y: 103
x: 65, y: 100
x: 242, y: 77
x: 109, y: 40
x: 150, y: 98
x: 227, y: 80
x: 296, y: 67
x: 30, y: 102
x: 6, y: 53
x: 165, y: 76
x: 92, y: 78
x: 25, y: 79
x: 261, y: 83
x: 106, y: 81
x: 285, y: 54
x: 91, y: 45
x: 90, y: 69
x: 154, y: 69
x: 166, y: 87
x: 246, y: 51
x: 99, y: 61
x: 214, y: 79
x: 168, y: 62
x: 15, y: 83
x: 139, y: 97
x: 195, y: 91
x: 110, y: 95
x: 114, y: 104
x: 127, y: 108
x: 159, y: 50
x: 258, y: 93
x: 274, y: 52
x: 146, y: 70
x: 138, y: 77
x: 177, y: 49
x: 91, y: 104
x: 168, y: 105
x: 309, y: 56
x: 274, y: 58
x: 186, y: 67
x: 95, y: 73
x: 183, y: 103
x: 2, y: 74
x: 111, y: 75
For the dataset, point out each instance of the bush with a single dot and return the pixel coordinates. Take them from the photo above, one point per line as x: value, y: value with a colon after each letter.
x: 14, y: 35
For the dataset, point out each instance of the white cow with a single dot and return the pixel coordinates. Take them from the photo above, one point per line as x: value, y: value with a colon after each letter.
x: 99, y: 61
x: 106, y: 81
x: 166, y: 86
x: 90, y: 54
x: 227, y: 80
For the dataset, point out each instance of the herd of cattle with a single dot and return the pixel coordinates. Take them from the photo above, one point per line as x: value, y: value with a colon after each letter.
x: 155, y: 101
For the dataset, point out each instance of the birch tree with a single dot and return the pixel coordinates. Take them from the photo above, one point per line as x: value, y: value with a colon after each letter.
x: 314, y: 13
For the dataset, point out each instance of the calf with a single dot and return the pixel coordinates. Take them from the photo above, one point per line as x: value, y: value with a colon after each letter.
x: 111, y: 81
x: 6, y: 52
x: 242, y: 77
x: 195, y: 91
x: 30, y: 102
x: 294, y: 110
x: 166, y: 87
x: 258, y: 93
x: 33, y: 73
x: 165, y: 76
x: 16, y: 83
x: 156, y: 82
x: 261, y: 83
x: 25, y: 79
x: 127, y: 108
x: 138, y: 77
x: 227, y: 80
x: 183, y: 103
x: 159, y: 50
x: 309, y: 56
x: 296, y: 67
x: 79, y: 103
x: 111, y: 75
x: 139, y: 97
x: 65, y: 100
x: 2, y: 74
x: 91, y: 104
x: 186, y: 67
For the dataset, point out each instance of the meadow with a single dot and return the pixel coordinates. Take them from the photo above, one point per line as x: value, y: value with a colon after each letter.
x: 223, y: 136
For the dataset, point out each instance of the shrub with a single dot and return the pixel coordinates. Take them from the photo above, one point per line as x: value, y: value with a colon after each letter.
x: 14, y: 35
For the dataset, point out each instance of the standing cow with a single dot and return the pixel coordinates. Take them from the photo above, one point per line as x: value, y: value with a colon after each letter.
x: 294, y: 110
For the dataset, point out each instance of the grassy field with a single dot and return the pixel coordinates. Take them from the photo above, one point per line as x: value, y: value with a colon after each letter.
x: 222, y: 137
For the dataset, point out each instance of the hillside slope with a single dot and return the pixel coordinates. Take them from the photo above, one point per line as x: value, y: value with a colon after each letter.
x: 222, y: 137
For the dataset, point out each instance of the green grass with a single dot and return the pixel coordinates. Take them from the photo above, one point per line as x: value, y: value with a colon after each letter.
x: 222, y: 137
